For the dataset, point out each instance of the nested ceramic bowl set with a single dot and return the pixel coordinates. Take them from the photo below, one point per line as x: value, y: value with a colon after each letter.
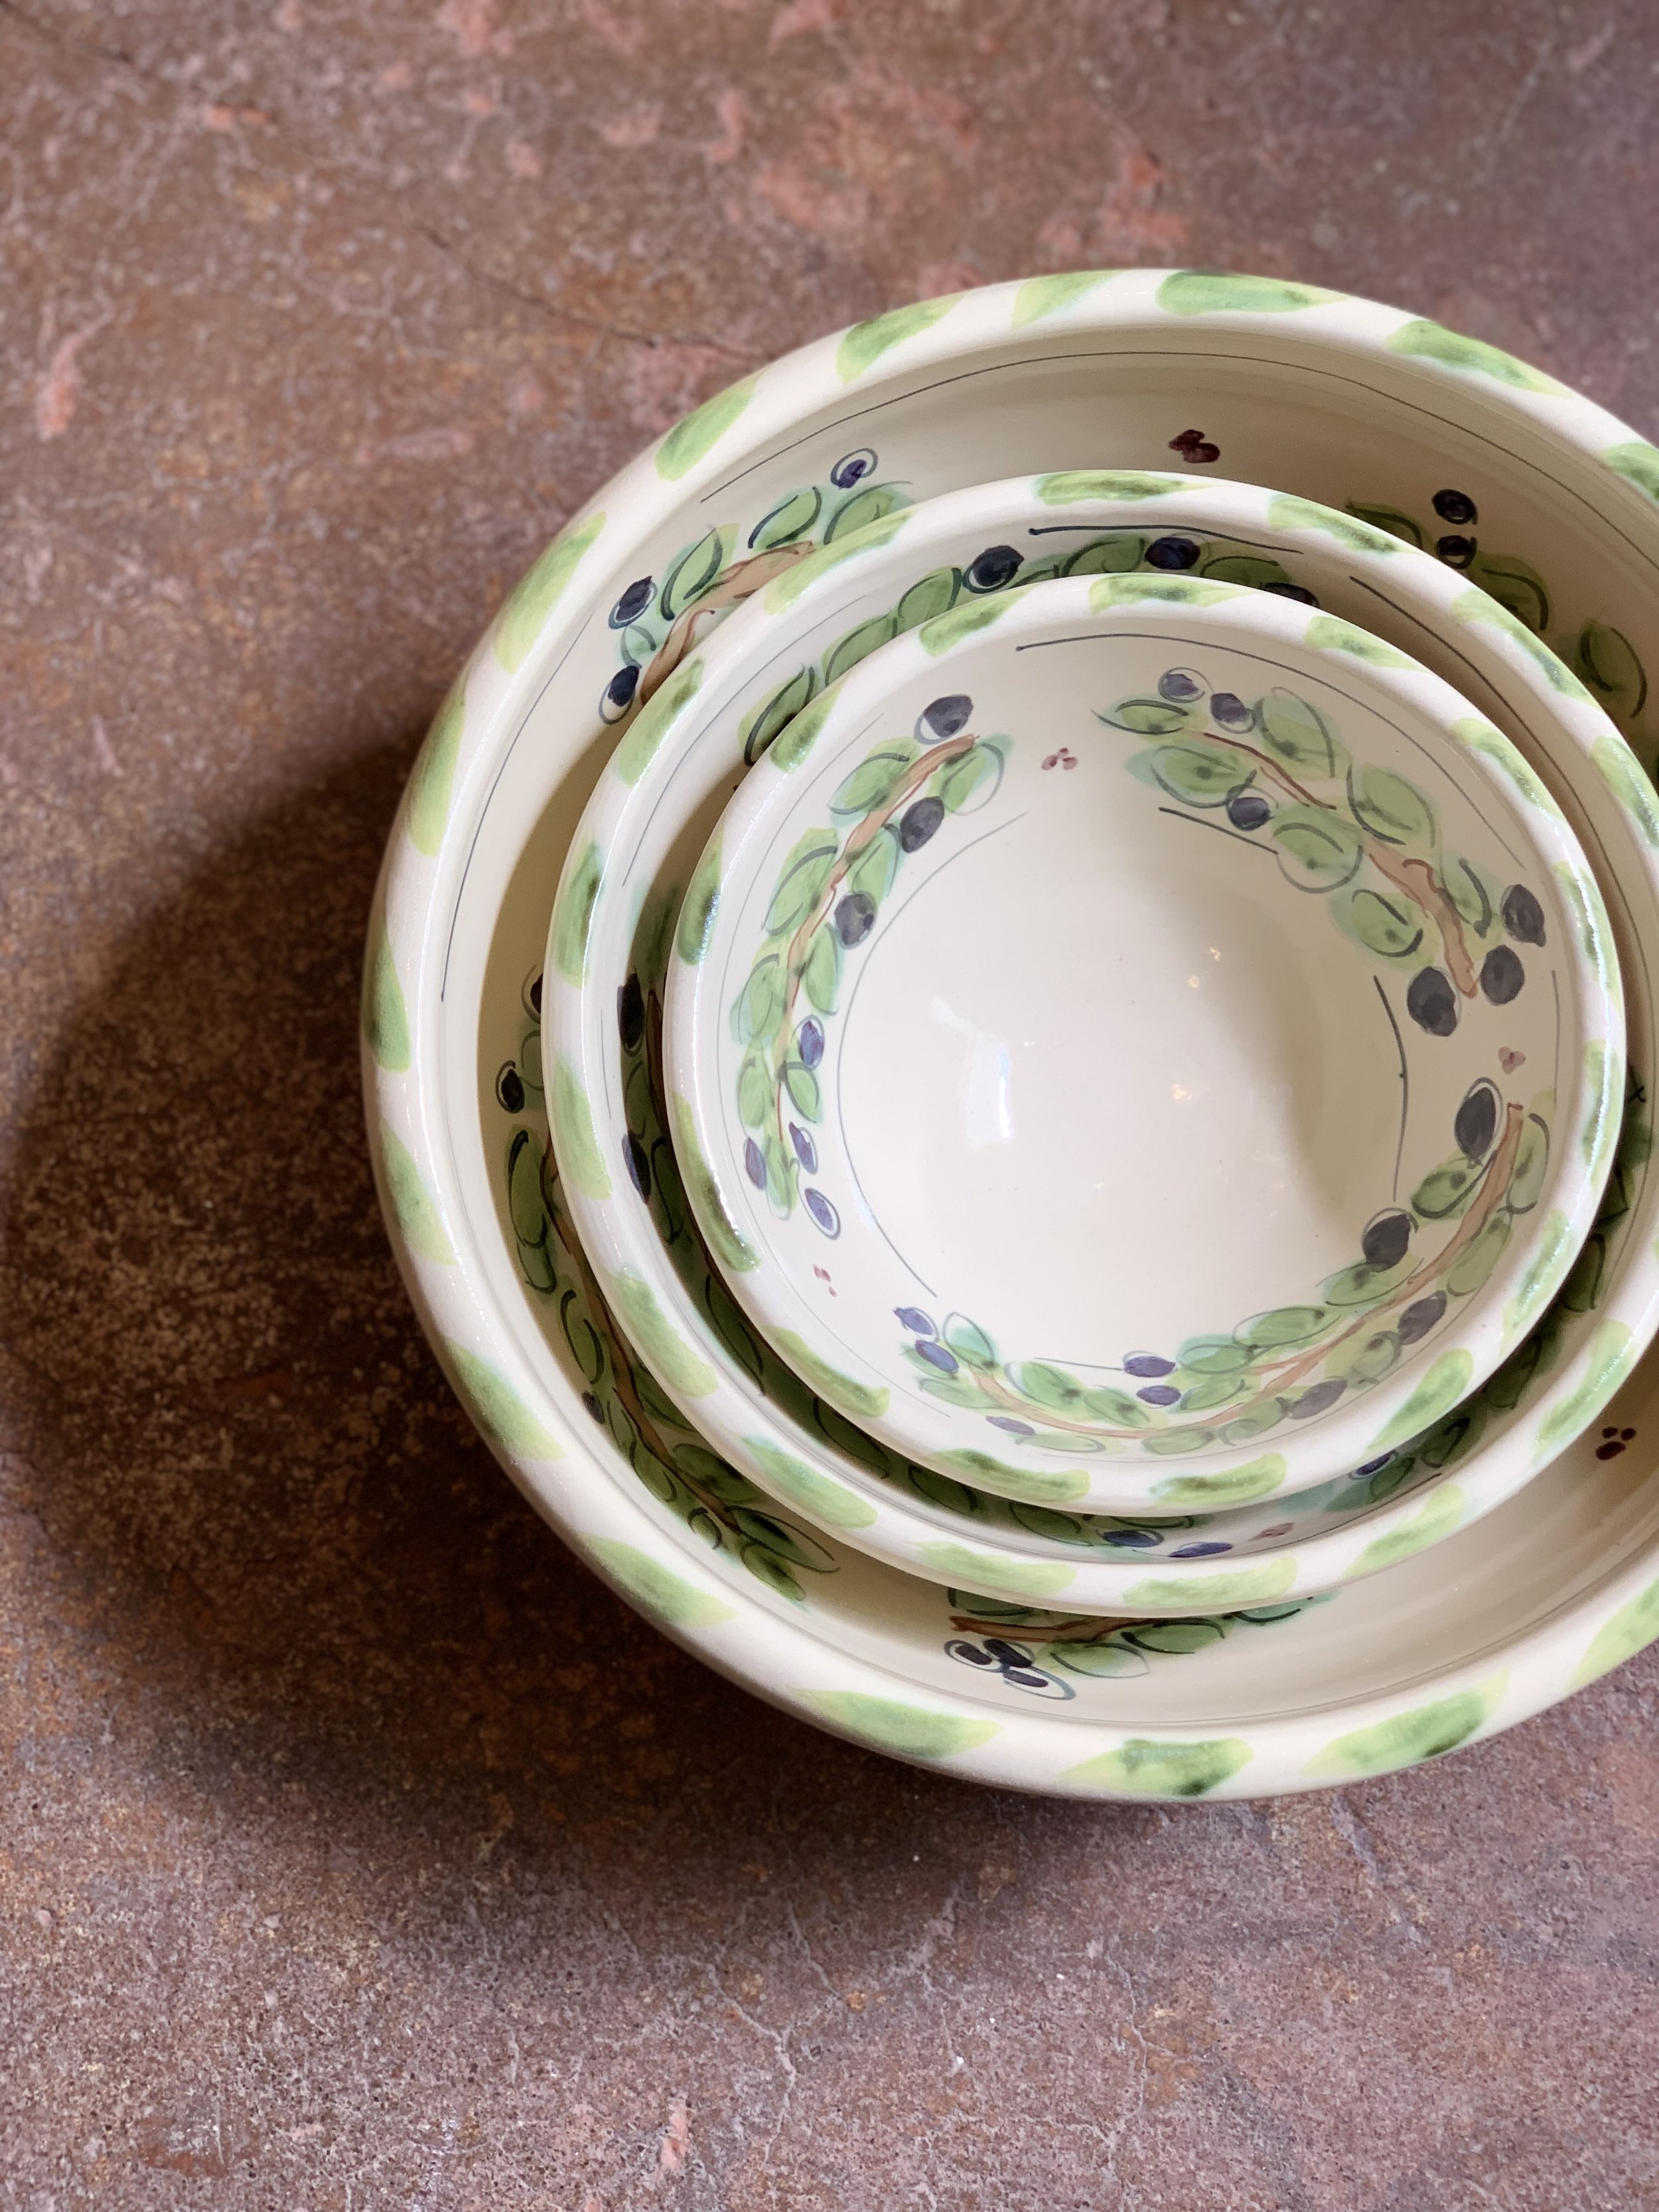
x: 1007, y: 1031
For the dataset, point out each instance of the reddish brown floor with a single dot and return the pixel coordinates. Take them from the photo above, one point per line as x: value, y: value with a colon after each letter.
x: 357, y: 1849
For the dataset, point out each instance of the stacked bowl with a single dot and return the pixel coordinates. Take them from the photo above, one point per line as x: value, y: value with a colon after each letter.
x: 1007, y: 1033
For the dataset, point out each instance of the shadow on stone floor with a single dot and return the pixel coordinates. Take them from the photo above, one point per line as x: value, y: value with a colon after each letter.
x: 272, y: 1520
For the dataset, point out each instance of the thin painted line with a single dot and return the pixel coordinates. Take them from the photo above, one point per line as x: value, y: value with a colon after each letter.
x: 925, y: 884
x: 1405, y: 1083
x: 1237, y: 835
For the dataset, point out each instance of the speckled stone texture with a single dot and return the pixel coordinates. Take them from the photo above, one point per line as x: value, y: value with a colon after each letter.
x: 357, y: 1849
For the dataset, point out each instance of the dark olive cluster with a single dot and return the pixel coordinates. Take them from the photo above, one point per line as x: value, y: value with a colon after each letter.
x: 1431, y: 999
x: 1456, y: 548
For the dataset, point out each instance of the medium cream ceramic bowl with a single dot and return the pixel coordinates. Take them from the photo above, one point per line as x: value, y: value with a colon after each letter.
x: 1336, y: 400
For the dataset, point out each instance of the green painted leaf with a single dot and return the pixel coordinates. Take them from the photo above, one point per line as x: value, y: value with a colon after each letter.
x: 731, y: 1247
x: 697, y: 433
x: 1446, y: 1381
x: 761, y: 1002
x: 1630, y: 1630
x: 1479, y: 736
x: 1384, y: 923
x: 695, y: 927
x: 1393, y: 809
x: 858, y: 644
x: 1609, y: 665
x: 657, y: 1589
x: 1426, y: 341
x: 962, y: 1563
x: 1582, y: 897
x: 1637, y: 463
x: 385, y: 1019
x: 1390, y: 520
x: 948, y: 630
x: 1283, y: 1326
x: 802, y: 1085
x: 862, y: 346
x: 1145, y: 1767
x: 1027, y: 1485
x: 1216, y: 292
x: 1403, y: 1740
x: 762, y: 726
x: 1330, y: 634
x: 1230, y: 1486
x: 874, y: 871
x: 1254, y: 570
x: 783, y: 591
x: 1163, y: 718
x: 1296, y: 734
x: 1215, y: 1593
x: 909, y: 1731
x: 694, y: 572
x: 537, y: 591
x: 955, y: 784
x: 416, y: 1209
x: 1117, y: 554
x: 792, y: 518
x: 1515, y: 588
x: 572, y: 914
x: 1531, y: 1159
x: 1046, y: 295
x: 860, y: 1401
x: 819, y: 1497
x: 497, y: 1407
x: 804, y: 873
x: 1606, y: 1360
x: 645, y: 732
x: 674, y: 1361
x: 1286, y: 512
x: 821, y: 972
x: 1318, y: 850
x: 1619, y: 769
x: 1069, y: 487
x: 969, y: 1341
x: 433, y: 776
x: 797, y: 739
x: 1440, y: 1513
x: 1197, y: 773
x: 929, y: 597
x: 580, y: 1161
x: 868, y: 787
x: 1140, y: 590
x: 869, y: 503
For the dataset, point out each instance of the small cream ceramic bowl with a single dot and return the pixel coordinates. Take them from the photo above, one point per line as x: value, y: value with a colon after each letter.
x: 1138, y: 1017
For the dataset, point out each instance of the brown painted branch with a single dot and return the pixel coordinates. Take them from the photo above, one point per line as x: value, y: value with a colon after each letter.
x: 862, y: 838
x: 729, y: 589
x: 1414, y: 877
x: 622, y: 1353
x: 1494, y: 1188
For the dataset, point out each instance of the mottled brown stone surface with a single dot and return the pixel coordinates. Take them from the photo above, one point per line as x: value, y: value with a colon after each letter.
x: 357, y: 1849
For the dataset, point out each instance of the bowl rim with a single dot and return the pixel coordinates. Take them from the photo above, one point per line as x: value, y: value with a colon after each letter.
x: 1592, y: 1627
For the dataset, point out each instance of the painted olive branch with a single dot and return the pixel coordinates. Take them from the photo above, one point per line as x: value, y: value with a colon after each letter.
x: 729, y: 589
x: 921, y: 770
x: 621, y: 1354
x: 1301, y: 1361
x: 1410, y: 875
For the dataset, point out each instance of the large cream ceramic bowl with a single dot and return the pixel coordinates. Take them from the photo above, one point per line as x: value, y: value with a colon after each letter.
x: 1337, y: 400
x: 637, y: 845
x: 1137, y: 1017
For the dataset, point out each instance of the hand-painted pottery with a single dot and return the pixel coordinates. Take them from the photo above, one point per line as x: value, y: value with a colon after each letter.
x: 1127, y: 1022
x: 1331, y: 398
x: 641, y: 834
